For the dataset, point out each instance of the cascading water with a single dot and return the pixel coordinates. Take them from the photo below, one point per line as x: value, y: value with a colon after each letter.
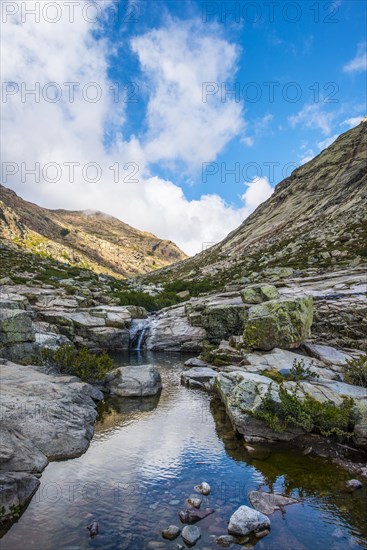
x: 138, y: 333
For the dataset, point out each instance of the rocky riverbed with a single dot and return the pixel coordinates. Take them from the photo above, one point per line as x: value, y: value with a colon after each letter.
x: 46, y: 416
x: 144, y: 462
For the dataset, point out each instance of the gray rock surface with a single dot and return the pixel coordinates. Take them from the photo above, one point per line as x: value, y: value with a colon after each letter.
x: 15, y: 326
x: 327, y: 354
x: 138, y: 381
x: 280, y: 359
x: 199, y: 377
x: 44, y: 417
x: 245, y: 520
x: 16, y: 490
x: 256, y: 294
x: 171, y: 532
x: 171, y: 331
x: 268, y: 503
x: 283, y: 323
x: 243, y: 392
x: 191, y: 534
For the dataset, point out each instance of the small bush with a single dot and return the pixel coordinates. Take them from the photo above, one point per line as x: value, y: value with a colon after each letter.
x: 355, y: 371
x: 327, y: 418
x: 64, y: 232
x: 299, y: 371
x: 274, y: 374
x: 207, y: 352
x: 194, y: 287
x: 82, y: 363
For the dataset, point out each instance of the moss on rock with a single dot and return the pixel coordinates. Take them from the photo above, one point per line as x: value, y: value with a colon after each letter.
x: 283, y: 323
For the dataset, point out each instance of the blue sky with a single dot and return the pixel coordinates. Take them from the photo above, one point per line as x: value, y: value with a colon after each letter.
x: 290, y: 58
x: 298, y: 70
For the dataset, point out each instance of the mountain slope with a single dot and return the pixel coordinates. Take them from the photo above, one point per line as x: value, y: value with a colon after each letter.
x: 317, y: 217
x: 89, y: 239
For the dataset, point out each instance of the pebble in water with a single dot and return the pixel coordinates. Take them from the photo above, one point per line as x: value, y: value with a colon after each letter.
x: 93, y: 528
x: 192, y: 516
x: 191, y: 534
x: 171, y: 532
x: 224, y: 541
x: 353, y: 484
x: 262, y: 534
x: 203, y: 488
x: 194, y: 501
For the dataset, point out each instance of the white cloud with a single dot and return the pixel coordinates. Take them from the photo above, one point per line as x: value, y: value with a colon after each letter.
x: 351, y: 122
x: 312, y: 116
x: 359, y: 62
x: 326, y: 142
x: 178, y: 60
x: 248, y: 141
x: 258, y: 190
x: 308, y: 155
x: 181, y: 127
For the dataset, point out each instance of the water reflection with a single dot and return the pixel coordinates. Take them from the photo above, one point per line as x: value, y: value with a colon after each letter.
x: 145, y: 458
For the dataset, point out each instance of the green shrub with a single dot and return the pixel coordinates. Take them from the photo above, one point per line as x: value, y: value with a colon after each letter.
x: 64, y: 232
x: 355, y: 371
x: 324, y: 418
x: 206, y: 353
x: 299, y: 371
x: 194, y: 287
x: 82, y: 363
x: 151, y: 303
x: 274, y: 374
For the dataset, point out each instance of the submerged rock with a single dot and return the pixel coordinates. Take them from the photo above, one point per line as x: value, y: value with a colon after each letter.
x: 171, y: 533
x: 93, y: 528
x: 194, y: 501
x: 353, y: 484
x: 267, y: 503
x: 262, y: 534
x: 245, y: 520
x: 191, y: 534
x: 136, y: 381
x: 193, y: 516
x: 225, y: 541
x: 283, y: 323
x: 204, y: 488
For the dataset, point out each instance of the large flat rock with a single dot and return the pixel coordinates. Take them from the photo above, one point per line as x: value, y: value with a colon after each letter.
x: 170, y: 330
x: 137, y: 381
x: 44, y: 417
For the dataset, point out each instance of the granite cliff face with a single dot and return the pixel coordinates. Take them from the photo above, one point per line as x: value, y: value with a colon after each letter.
x: 88, y: 239
x: 316, y: 218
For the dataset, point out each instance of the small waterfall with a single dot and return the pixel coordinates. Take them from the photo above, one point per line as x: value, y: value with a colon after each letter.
x: 138, y: 333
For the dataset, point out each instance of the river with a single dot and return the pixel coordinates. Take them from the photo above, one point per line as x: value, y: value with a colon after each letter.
x: 143, y: 462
